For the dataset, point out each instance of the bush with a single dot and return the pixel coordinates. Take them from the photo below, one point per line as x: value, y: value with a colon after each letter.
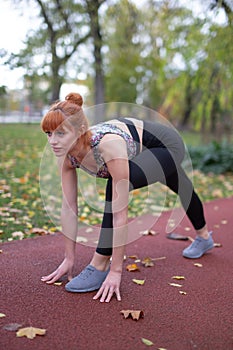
x: 216, y: 157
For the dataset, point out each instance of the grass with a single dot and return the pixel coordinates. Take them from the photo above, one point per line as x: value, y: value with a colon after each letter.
x: 22, y: 211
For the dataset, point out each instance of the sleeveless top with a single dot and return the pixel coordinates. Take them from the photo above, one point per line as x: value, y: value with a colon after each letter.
x: 98, y: 132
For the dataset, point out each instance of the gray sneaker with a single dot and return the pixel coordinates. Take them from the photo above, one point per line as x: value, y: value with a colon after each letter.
x: 198, y: 247
x: 88, y: 280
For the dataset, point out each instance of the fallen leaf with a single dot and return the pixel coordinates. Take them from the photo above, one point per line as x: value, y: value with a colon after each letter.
x: 1, y: 251
x: 57, y: 283
x: 12, y: 327
x: 132, y: 267
x: 134, y: 314
x: 147, y: 342
x: 178, y: 277
x: 140, y: 282
x: 39, y: 231
x: 217, y: 245
x: 133, y: 257
x: 175, y: 285
x: 198, y: 265
x: 2, y: 315
x: 182, y: 292
x: 148, y: 233
x: 162, y: 349
x: 30, y: 332
x: 224, y: 222
x: 18, y: 234
x: 80, y: 239
x: 147, y: 262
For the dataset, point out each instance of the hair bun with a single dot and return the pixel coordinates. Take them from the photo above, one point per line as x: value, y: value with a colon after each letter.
x: 75, y: 98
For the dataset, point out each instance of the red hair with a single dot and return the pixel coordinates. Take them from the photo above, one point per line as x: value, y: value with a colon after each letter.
x: 70, y: 114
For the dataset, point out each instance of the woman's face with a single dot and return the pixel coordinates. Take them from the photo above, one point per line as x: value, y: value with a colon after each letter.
x: 62, y: 140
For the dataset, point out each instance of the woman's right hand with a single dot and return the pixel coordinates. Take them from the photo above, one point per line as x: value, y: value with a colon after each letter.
x: 63, y: 269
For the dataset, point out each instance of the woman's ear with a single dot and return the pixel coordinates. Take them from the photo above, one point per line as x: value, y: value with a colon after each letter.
x: 82, y: 129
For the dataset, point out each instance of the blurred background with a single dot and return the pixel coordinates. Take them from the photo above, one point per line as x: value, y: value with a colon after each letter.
x: 169, y: 56
x: 174, y: 56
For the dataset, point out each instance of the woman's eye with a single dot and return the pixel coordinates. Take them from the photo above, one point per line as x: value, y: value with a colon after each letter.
x: 60, y: 133
x: 48, y: 133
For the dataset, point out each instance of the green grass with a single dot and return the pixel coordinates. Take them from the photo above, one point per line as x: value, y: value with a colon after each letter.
x: 21, y: 206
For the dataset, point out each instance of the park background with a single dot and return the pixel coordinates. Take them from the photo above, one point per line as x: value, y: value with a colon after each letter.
x: 174, y: 57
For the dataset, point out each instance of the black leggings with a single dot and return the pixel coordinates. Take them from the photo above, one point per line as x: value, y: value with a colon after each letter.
x: 154, y: 164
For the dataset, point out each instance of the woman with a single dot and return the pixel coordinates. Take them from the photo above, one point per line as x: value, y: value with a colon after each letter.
x: 130, y: 154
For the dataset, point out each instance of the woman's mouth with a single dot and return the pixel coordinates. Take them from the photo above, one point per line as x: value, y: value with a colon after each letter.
x: 56, y: 149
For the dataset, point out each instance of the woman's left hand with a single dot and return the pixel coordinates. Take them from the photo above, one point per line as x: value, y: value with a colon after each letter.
x: 110, y: 286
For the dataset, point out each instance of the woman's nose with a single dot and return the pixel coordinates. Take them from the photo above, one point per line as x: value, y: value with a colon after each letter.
x: 52, y: 140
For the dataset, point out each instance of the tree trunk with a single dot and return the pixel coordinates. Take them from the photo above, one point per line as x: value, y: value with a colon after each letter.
x: 93, y: 8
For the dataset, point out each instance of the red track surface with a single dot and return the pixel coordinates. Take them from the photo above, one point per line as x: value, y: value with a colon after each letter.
x: 202, y: 319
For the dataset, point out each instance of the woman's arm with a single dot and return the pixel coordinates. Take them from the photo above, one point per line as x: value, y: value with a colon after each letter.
x: 116, y: 159
x: 68, y: 222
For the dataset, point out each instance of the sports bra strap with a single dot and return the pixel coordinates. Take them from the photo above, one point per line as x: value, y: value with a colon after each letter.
x: 133, y: 132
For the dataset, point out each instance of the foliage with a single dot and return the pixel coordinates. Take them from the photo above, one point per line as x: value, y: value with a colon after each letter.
x: 216, y: 157
x: 159, y: 53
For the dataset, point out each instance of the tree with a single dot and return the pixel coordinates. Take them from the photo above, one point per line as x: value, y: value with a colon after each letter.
x: 65, y: 26
x: 122, y: 60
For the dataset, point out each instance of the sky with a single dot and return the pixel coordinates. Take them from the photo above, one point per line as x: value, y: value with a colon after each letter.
x: 13, y: 29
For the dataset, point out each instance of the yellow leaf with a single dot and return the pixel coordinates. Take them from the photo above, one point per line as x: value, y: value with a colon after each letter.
x: 175, y: 285
x: 30, y: 332
x: 140, y: 282
x: 147, y: 262
x: 178, y: 277
x: 134, y: 314
x: 147, y: 342
x: 198, y: 265
x: 57, y: 283
x: 132, y: 267
x: 2, y: 315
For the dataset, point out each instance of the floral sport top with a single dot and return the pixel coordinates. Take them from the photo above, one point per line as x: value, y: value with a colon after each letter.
x: 98, y: 132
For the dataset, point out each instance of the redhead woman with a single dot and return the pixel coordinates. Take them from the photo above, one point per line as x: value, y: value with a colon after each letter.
x: 130, y: 153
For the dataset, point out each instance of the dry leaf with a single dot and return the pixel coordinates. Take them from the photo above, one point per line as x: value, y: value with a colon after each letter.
x: 1, y: 251
x: 175, y: 285
x: 148, y: 233
x: 132, y: 267
x: 224, y: 222
x: 198, y: 265
x: 162, y: 349
x: 182, y: 292
x: 134, y: 314
x: 39, y: 231
x: 147, y: 342
x: 57, y: 283
x: 140, y: 282
x: 133, y: 257
x: 178, y: 277
x: 217, y: 245
x: 147, y: 262
x: 30, y: 332
x: 2, y: 315
x: 80, y: 239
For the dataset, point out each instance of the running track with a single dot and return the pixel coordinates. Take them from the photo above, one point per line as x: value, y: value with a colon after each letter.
x: 202, y: 319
